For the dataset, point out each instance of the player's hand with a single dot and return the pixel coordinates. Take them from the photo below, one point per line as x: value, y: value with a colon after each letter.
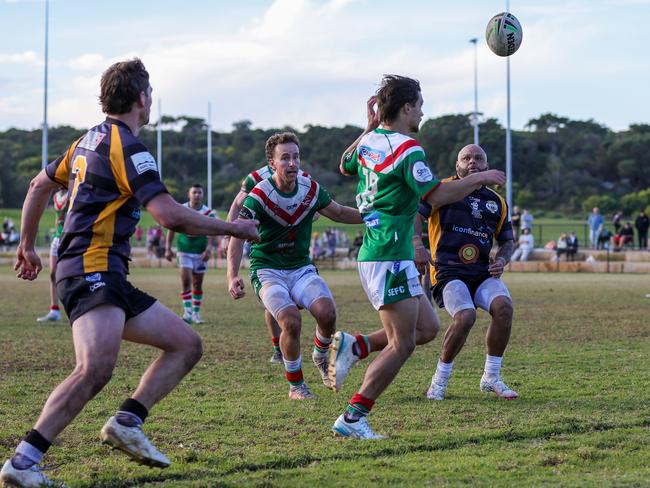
x: 496, y: 267
x: 169, y: 255
x: 373, y: 117
x: 236, y: 287
x: 422, y: 259
x: 492, y: 177
x: 28, y: 264
x: 246, y: 229
x: 206, y: 255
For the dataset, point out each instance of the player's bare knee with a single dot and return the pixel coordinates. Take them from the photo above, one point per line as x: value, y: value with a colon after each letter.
x: 326, y: 319
x: 502, y: 311
x: 405, y: 347
x: 95, y: 376
x: 464, y: 320
x: 290, y: 322
x: 194, y: 350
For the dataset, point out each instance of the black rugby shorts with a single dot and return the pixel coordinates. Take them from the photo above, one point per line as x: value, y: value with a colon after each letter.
x: 80, y: 294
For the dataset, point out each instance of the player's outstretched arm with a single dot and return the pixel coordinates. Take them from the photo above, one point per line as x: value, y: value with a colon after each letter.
x: 452, y: 191
x: 233, y: 260
x: 174, y: 216
x: 372, y: 124
x: 28, y: 264
x: 236, y: 205
x: 502, y: 258
x: 340, y: 213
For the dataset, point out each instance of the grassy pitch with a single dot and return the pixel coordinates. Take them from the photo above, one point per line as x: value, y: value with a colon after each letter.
x: 578, y: 357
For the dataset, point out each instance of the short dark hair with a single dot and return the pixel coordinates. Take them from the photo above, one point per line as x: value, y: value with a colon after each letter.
x: 279, y: 138
x: 197, y: 185
x: 394, y: 92
x: 121, y: 86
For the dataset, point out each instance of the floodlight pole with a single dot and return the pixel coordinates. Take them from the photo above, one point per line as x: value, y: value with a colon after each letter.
x: 159, y: 155
x: 508, y: 135
x: 475, y: 120
x: 44, y: 155
x: 209, y: 128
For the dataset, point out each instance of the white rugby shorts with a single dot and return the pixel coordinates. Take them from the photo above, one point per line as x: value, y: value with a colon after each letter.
x: 192, y: 261
x: 54, y: 247
x: 387, y: 282
x: 457, y: 297
x: 282, y: 288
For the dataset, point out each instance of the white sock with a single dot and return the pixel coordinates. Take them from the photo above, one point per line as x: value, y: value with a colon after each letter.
x: 292, y: 366
x: 443, y: 371
x: 492, y: 366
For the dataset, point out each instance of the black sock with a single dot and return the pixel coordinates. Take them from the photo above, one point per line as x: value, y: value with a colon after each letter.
x: 129, y: 409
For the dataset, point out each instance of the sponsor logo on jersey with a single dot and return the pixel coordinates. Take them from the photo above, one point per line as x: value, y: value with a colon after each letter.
x: 421, y: 172
x: 96, y: 286
x: 93, y: 278
x: 472, y: 232
x: 136, y: 213
x: 246, y: 213
x: 492, y: 206
x: 91, y: 140
x: 375, y: 155
x: 468, y: 254
x: 398, y: 290
x: 474, y: 203
x: 144, y: 161
x: 372, y: 220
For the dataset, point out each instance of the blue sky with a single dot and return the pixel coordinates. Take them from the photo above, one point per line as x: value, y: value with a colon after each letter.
x: 294, y: 62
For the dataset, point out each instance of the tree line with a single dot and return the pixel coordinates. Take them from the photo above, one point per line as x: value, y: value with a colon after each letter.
x: 559, y: 165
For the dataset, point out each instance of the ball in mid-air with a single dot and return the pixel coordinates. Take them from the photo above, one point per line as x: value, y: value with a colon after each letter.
x: 503, y: 34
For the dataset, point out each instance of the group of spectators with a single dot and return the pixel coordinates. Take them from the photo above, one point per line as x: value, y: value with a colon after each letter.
x: 623, y: 236
x: 324, y: 246
x: 9, y: 236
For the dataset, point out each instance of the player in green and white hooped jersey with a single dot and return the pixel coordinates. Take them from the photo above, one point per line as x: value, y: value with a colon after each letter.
x: 60, y: 201
x: 252, y: 179
x: 193, y: 254
x: 282, y: 273
x: 393, y: 177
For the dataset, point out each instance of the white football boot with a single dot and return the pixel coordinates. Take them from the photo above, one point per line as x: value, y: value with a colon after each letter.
x: 497, y: 386
x: 437, y: 389
x: 301, y: 393
x: 196, y: 318
x: 321, y: 363
x: 133, y: 442
x: 355, y: 430
x: 341, y: 359
x: 51, y: 316
x: 276, y: 358
x: 187, y: 317
x: 24, y: 478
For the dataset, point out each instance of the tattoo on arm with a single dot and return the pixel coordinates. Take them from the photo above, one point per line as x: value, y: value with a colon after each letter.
x: 505, y: 250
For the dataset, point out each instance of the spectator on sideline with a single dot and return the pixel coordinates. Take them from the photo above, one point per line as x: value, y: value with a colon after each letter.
x: 527, y: 221
x: 642, y: 223
x: 572, y: 247
x: 595, y: 221
x: 603, y: 237
x: 526, y: 243
x: 623, y: 237
x: 561, y: 246
x: 515, y: 219
x: 616, y: 221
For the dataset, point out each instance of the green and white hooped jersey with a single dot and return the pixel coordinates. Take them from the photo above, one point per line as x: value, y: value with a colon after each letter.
x: 195, y: 244
x: 285, y: 222
x: 261, y: 174
x: 393, y: 177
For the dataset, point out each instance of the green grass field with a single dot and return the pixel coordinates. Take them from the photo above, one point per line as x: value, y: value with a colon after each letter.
x: 578, y: 357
